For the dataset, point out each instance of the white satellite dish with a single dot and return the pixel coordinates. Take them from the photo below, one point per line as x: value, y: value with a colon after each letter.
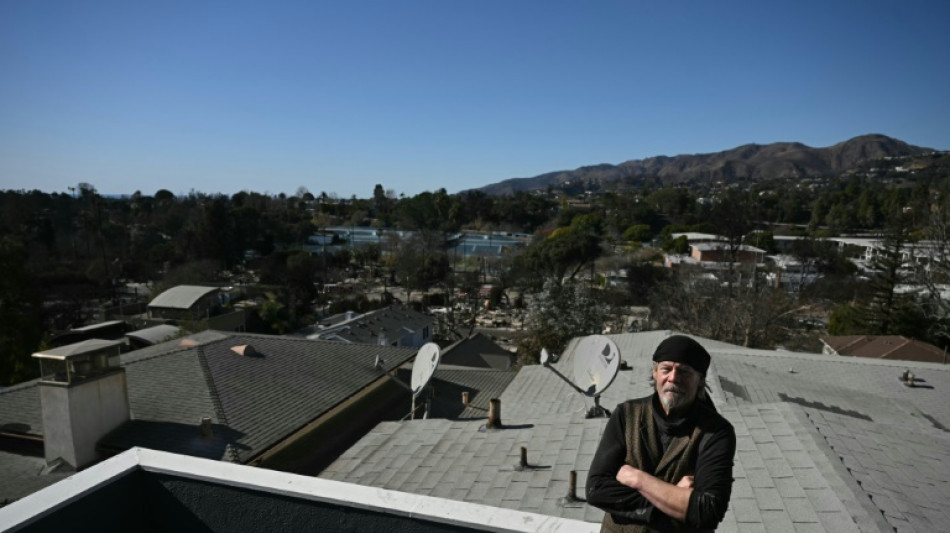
x: 545, y: 356
x: 427, y: 360
x: 596, y: 362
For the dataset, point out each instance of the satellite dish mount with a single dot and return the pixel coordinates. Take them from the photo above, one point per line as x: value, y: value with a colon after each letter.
x: 424, y: 366
x: 596, y: 362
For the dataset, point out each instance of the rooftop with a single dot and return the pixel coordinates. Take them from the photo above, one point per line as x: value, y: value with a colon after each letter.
x: 145, y: 490
x: 182, y: 296
x: 824, y: 443
x: 389, y: 323
x: 254, y: 401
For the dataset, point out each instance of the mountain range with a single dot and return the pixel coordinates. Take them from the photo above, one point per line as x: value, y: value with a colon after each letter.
x: 747, y: 162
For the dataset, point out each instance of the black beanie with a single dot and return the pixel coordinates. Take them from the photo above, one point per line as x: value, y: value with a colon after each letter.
x: 682, y: 349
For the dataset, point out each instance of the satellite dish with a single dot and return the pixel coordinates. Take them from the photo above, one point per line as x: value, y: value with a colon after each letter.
x: 596, y: 362
x: 545, y: 356
x: 427, y: 360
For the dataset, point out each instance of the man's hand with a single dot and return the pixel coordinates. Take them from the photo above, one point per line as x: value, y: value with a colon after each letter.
x: 629, y: 476
x: 686, y: 482
x: 670, y: 499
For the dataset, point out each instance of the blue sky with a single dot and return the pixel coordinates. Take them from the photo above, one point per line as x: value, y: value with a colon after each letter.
x: 220, y: 97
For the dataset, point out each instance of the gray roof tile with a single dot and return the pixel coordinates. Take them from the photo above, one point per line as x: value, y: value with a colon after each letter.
x: 802, y: 420
x: 23, y: 474
x: 254, y: 401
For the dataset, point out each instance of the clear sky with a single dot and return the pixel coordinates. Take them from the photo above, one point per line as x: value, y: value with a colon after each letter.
x: 220, y: 97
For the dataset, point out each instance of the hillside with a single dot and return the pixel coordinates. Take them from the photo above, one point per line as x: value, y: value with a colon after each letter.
x: 751, y: 161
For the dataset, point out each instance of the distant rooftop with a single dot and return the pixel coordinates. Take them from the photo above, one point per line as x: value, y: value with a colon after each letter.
x: 182, y: 296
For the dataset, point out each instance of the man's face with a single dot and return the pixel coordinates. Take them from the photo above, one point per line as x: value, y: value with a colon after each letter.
x: 677, y: 384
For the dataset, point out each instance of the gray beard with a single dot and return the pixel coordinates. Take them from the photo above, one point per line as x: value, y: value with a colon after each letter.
x: 674, y: 402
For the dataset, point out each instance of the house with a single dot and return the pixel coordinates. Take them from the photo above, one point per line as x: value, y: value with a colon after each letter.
x: 478, y: 351
x: 111, y: 330
x: 185, y: 302
x: 720, y: 252
x: 275, y: 402
x: 824, y: 444
x: 151, y: 336
x: 890, y: 347
x: 790, y: 273
x: 395, y: 325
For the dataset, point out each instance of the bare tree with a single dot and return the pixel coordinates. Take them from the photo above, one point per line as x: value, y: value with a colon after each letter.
x: 935, y: 275
x: 749, y: 314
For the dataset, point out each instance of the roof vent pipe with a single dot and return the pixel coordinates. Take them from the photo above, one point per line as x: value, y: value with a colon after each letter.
x: 570, y: 499
x: 572, y: 486
x: 465, y: 398
x: 910, y: 380
x: 494, y: 414
x: 207, y: 431
x: 244, y: 349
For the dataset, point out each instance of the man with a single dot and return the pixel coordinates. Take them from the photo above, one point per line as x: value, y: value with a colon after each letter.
x: 664, y: 462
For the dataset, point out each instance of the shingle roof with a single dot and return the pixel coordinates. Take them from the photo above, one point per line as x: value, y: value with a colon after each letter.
x: 254, y: 401
x: 393, y: 322
x: 23, y: 475
x: 894, y: 347
x: 20, y: 409
x: 155, y: 334
x: 257, y: 400
x: 823, y: 443
x: 482, y: 385
x: 478, y: 351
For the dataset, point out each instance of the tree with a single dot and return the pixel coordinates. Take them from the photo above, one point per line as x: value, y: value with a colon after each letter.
x: 20, y: 315
x: 752, y: 315
x: 638, y: 233
x: 559, y: 313
x: 561, y: 255
x: 420, y: 261
x: 935, y: 276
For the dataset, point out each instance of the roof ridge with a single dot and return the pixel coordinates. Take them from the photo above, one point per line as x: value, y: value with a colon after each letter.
x: 215, y: 399
x: 805, y: 356
x: 23, y: 385
x: 857, y: 339
x: 897, y: 347
x: 170, y: 351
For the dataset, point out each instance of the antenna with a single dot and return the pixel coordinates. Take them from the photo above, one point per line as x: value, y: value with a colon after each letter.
x: 596, y: 362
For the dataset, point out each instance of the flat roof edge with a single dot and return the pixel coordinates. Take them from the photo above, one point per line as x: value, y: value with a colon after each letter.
x: 48, y: 500
x: 470, y: 515
x: 475, y: 516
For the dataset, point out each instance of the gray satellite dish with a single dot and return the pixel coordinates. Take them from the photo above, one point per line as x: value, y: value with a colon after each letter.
x: 427, y: 360
x: 596, y: 362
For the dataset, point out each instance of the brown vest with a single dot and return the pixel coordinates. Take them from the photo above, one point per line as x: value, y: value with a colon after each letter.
x: 644, y: 452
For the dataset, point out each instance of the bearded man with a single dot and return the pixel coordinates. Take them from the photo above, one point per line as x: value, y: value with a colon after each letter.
x: 665, y: 461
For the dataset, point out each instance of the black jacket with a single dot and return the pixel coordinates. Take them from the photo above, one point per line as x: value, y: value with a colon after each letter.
x: 711, y: 467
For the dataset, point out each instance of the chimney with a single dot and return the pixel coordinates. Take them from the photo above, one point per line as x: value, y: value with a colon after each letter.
x: 465, y: 398
x: 84, y: 396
